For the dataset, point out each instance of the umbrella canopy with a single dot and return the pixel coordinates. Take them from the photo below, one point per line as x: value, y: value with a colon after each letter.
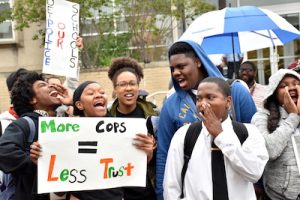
x: 236, y: 30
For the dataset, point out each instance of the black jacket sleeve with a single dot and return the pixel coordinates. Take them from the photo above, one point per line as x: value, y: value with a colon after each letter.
x: 13, y: 156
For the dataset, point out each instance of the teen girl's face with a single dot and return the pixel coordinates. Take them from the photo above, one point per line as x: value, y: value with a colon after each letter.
x: 93, y: 101
x: 185, y: 70
x: 127, y: 89
x: 210, y: 93
x: 290, y: 82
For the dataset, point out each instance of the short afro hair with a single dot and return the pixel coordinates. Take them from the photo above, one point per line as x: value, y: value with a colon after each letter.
x: 182, y: 48
x: 125, y: 64
x: 22, y: 93
x: 254, y: 67
x: 223, y: 86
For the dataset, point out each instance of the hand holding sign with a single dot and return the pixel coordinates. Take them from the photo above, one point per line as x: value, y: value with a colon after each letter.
x: 79, y: 42
x: 61, y: 38
x: 145, y: 143
x: 35, y: 151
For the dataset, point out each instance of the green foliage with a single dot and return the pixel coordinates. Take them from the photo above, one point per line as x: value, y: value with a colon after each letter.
x: 147, y: 23
x: 103, y: 48
x: 5, y: 12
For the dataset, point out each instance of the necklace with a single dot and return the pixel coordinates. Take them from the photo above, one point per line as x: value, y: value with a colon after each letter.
x: 42, y: 113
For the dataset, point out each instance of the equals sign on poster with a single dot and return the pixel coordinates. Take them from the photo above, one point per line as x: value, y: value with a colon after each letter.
x: 87, y: 146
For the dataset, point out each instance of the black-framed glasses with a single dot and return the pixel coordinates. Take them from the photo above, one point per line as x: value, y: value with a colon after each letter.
x: 125, y: 84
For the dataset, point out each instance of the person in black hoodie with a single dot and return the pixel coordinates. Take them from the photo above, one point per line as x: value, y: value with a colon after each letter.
x: 31, y: 96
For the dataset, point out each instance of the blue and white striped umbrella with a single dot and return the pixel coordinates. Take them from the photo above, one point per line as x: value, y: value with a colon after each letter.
x: 235, y: 30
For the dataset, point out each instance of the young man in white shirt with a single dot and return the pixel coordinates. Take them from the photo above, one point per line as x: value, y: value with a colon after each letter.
x: 244, y: 164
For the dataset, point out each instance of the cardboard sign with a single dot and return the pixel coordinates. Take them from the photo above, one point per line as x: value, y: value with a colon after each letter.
x: 90, y: 153
x: 62, y: 29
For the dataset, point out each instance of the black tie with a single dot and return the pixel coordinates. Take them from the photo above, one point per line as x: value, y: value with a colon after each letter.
x: 218, y: 174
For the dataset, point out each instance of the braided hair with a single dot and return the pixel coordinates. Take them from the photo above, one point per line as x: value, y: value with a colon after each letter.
x: 274, y: 117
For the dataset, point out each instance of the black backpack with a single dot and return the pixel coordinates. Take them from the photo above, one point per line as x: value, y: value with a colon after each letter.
x: 191, y: 137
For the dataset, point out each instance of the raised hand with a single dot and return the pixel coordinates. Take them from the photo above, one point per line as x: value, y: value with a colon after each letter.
x: 298, y: 102
x: 35, y: 152
x: 210, y: 120
x: 288, y: 103
x: 79, y: 42
x: 63, y: 94
x: 146, y: 143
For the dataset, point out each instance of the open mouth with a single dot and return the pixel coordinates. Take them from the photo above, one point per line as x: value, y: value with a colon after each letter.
x: 53, y: 93
x: 180, y: 80
x: 129, y: 95
x: 294, y: 98
x: 99, y: 104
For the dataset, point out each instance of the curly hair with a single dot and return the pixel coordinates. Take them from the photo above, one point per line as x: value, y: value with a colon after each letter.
x: 274, y: 117
x: 125, y: 64
x: 22, y: 93
x: 13, y: 77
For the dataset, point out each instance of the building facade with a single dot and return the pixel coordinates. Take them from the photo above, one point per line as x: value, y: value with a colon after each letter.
x: 17, y: 49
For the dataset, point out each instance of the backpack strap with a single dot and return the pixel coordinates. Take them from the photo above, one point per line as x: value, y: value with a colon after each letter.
x: 0, y: 128
x: 190, y: 139
x: 240, y: 130
x: 32, y: 129
x: 232, y: 111
x: 29, y: 128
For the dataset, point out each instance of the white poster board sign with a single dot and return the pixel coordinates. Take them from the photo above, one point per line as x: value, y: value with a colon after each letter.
x: 90, y: 153
x: 62, y: 29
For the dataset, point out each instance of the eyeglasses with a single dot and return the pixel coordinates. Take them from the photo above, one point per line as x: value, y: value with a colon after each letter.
x: 246, y: 70
x: 124, y: 84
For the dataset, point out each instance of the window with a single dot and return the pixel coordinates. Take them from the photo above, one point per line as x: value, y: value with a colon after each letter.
x: 7, y: 33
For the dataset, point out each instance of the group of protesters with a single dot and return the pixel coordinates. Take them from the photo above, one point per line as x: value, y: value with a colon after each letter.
x: 243, y: 138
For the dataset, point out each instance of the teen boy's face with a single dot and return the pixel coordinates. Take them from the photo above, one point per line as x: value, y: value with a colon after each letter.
x: 93, y: 101
x: 185, y: 70
x: 210, y: 93
x: 45, y: 97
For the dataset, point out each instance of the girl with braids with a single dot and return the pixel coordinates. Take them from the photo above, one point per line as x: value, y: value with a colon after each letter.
x: 126, y: 74
x: 279, y: 124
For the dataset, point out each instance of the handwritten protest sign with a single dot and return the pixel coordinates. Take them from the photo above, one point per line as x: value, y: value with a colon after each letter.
x: 62, y: 29
x: 90, y: 153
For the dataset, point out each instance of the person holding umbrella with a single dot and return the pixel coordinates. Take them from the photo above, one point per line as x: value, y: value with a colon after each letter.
x: 189, y: 65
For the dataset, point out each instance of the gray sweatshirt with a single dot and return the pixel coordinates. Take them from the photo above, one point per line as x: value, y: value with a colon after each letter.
x: 281, y: 176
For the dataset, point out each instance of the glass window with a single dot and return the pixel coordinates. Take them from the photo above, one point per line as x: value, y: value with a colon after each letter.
x: 6, y: 27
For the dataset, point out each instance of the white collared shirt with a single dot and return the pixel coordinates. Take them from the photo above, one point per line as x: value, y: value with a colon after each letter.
x: 244, y: 165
